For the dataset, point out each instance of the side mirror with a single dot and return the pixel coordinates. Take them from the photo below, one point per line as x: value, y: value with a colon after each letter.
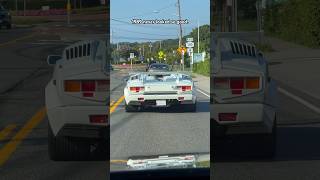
x: 52, y: 59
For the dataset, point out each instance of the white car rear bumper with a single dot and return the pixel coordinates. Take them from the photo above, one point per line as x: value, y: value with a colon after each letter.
x: 75, y: 121
x: 249, y: 118
x: 135, y: 99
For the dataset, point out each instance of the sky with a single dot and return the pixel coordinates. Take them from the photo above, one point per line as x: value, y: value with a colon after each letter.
x: 123, y: 11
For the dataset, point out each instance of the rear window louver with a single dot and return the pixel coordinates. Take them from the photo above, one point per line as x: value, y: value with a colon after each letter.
x: 242, y: 49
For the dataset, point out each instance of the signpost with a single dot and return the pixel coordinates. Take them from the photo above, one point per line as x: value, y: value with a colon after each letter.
x: 190, y: 45
x: 68, y: 11
x: 131, y: 57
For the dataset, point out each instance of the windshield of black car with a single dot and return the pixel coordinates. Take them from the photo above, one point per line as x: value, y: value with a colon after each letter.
x: 159, y: 66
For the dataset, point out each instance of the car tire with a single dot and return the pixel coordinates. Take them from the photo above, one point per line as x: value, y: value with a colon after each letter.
x: 269, y: 146
x: 101, y: 153
x: 130, y: 108
x: 67, y: 149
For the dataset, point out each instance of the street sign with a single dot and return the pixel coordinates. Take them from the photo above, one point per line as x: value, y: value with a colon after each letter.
x: 189, y: 44
x: 189, y: 39
x: 131, y: 55
x: 161, y: 54
x: 180, y: 49
x: 190, y: 50
x: 198, y: 57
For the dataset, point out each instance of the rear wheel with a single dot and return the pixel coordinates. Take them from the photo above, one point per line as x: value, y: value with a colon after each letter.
x: 269, y: 142
x: 130, y: 108
x: 76, y: 149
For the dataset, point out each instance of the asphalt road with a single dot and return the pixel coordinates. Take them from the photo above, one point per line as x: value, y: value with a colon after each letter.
x: 155, y: 131
x: 298, y: 148
x: 23, y: 122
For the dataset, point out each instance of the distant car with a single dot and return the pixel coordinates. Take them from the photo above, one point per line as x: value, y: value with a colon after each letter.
x: 5, y: 18
x: 159, y: 89
x: 149, y: 63
x: 76, y: 99
x: 159, y: 67
x: 244, y: 96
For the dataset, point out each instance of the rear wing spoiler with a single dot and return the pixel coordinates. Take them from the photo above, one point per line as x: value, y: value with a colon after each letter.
x: 253, y: 36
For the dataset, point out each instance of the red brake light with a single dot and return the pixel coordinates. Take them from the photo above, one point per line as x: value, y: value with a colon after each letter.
x: 98, y: 118
x: 221, y: 83
x: 88, y: 85
x: 236, y: 83
x: 227, y: 116
x: 185, y: 88
x: 136, y: 89
x: 103, y: 85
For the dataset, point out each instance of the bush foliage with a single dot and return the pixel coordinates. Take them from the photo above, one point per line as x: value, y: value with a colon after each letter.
x: 295, y: 20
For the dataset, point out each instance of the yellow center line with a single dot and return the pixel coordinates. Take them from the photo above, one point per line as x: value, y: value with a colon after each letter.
x: 12, y: 145
x: 15, y: 40
x: 116, y: 104
x: 118, y: 161
x: 6, y: 131
x: 112, y: 102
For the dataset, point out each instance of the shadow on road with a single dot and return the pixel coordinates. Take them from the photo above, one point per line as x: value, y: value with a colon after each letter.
x: 202, y: 106
x: 293, y: 144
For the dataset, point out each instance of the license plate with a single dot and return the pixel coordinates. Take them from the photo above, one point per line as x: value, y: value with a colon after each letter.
x: 161, y: 102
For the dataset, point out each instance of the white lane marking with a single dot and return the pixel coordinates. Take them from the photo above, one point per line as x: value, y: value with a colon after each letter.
x: 203, y: 93
x: 300, y: 100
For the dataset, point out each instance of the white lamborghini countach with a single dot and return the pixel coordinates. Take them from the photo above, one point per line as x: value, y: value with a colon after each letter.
x: 76, y: 101
x: 243, y: 96
x: 159, y: 89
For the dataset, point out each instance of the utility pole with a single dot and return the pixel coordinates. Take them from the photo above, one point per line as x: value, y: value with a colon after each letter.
x: 160, y: 44
x: 198, y: 37
x: 16, y: 7
x: 143, y: 50
x: 24, y: 8
x: 68, y: 11
x: 180, y: 25
x: 180, y: 33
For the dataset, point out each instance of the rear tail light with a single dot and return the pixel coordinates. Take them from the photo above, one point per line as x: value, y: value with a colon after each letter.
x: 98, y: 118
x: 227, y: 116
x: 72, y: 86
x: 185, y: 88
x: 88, y: 87
x: 236, y: 84
x: 136, y: 89
x: 221, y: 83
x: 103, y: 85
x: 252, y: 83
